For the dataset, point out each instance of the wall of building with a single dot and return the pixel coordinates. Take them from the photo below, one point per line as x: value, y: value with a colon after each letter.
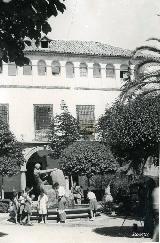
x: 21, y: 92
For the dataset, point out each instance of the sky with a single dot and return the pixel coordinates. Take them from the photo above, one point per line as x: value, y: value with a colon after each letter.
x: 122, y: 23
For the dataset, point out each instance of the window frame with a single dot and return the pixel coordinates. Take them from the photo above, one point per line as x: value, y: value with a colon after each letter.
x: 12, y: 64
x: 45, y: 67
x: 110, y: 72
x: 58, y: 66
x: 97, y: 66
x: 27, y: 65
x: 69, y: 75
x: 83, y: 66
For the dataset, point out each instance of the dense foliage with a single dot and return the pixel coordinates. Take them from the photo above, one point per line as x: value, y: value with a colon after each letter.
x: 146, y: 76
x: 24, y: 18
x: 132, y: 129
x: 64, y: 131
x: 87, y: 158
x: 10, y: 152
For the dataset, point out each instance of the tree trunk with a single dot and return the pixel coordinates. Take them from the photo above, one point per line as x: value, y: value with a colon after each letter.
x: 88, y: 180
x: 159, y: 151
x: 2, y: 190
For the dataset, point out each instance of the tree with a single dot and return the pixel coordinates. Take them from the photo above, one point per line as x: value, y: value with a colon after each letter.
x: 24, y: 18
x: 64, y: 131
x: 146, y: 78
x: 132, y: 129
x: 146, y: 73
x: 11, y: 156
x: 87, y: 158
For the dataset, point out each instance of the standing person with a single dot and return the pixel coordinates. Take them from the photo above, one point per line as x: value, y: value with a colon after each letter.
x: 155, y: 196
x: 27, y: 209
x: 14, y: 207
x: 92, y: 204
x: 76, y: 191
x: 21, y: 201
x: 61, y: 217
x: 42, y: 206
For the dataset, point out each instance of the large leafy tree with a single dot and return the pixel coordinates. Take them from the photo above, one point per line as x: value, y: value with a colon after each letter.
x: 64, y: 131
x: 132, y: 129
x: 146, y: 76
x: 24, y: 18
x: 11, y: 156
x: 87, y: 158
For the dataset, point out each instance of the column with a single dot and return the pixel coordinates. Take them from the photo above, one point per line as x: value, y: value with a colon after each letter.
x: 63, y: 69
x: 103, y: 70
x: 23, y: 177
x: 117, y: 72
x: 34, y: 67
x: 90, y: 70
x: 49, y: 69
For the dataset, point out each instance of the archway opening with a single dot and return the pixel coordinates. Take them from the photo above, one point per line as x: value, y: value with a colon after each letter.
x: 46, y: 161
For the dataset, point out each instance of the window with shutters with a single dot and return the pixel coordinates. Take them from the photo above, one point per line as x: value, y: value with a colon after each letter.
x: 27, y: 69
x: 4, y: 112
x: 12, y: 69
x: 96, y: 70
x: 123, y: 71
x: 110, y: 71
x: 42, y: 68
x: 1, y: 66
x: 86, y: 120
x: 56, y: 69
x: 42, y: 117
x: 69, y: 70
x: 83, y: 70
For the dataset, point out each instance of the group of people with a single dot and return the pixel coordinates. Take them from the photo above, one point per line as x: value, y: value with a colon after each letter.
x: 21, y: 207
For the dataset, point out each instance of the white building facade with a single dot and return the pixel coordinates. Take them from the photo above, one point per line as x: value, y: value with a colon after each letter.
x: 87, y: 76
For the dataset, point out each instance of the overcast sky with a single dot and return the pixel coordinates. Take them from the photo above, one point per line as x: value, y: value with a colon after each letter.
x: 123, y: 23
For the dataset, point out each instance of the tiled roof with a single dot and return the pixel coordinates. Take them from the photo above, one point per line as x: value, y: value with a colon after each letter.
x: 81, y: 48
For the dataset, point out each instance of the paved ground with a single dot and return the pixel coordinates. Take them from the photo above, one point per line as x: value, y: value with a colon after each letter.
x: 103, y: 229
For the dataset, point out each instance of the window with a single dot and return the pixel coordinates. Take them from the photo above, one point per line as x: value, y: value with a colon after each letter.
x: 123, y: 71
x: 43, y: 116
x: 110, y: 71
x: 96, y: 70
x: 12, y: 69
x: 86, y: 119
x: 56, y: 69
x: 1, y: 66
x: 4, y: 114
x: 42, y: 68
x: 27, y: 69
x: 69, y: 70
x: 44, y: 44
x: 83, y: 70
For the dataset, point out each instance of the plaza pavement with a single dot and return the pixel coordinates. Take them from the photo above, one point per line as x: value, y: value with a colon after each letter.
x: 103, y: 229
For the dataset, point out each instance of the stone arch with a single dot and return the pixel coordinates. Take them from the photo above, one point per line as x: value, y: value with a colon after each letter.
x: 28, y: 152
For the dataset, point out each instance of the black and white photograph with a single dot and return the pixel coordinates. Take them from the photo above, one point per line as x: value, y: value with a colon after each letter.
x: 79, y: 121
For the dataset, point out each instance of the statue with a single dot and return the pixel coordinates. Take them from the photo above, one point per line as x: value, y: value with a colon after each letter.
x: 55, y: 176
x: 38, y: 176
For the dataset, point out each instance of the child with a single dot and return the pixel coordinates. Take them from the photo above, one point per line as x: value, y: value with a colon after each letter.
x: 21, y: 201
x: 92, y: 204
x: 42, y: 206
x: 61, y: 203
x: 27, y: 209
x: 14, y: 207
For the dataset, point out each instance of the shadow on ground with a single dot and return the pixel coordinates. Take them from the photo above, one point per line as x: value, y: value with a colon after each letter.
x: 118, y: 231
x: 2, y: 234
